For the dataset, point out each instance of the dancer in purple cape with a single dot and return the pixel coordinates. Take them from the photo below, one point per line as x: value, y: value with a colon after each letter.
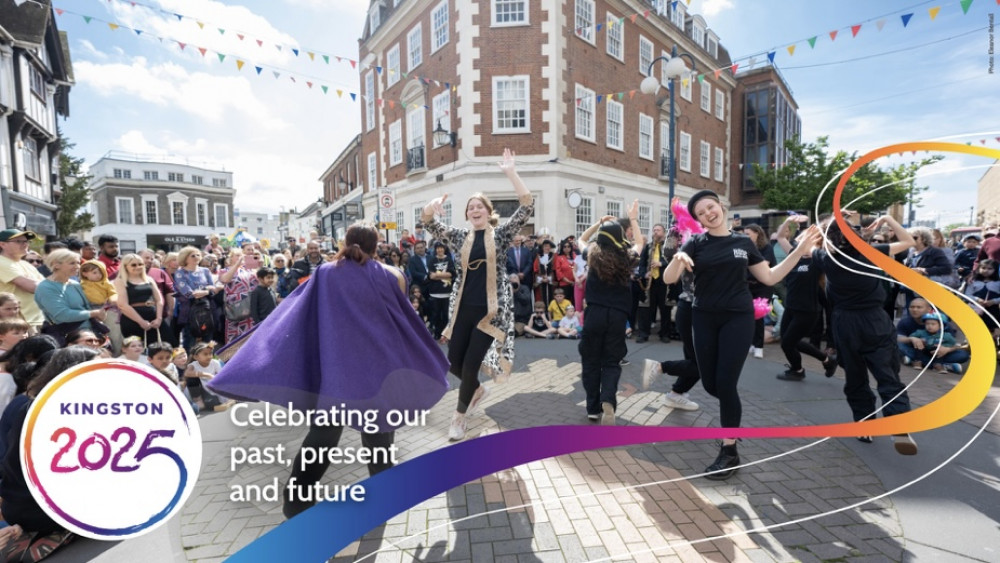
x: 334, y: 344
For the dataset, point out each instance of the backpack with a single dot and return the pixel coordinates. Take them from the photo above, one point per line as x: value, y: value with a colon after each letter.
x: 201, y: 322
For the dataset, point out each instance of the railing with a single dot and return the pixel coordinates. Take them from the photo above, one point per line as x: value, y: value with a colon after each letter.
x: 415, y: 159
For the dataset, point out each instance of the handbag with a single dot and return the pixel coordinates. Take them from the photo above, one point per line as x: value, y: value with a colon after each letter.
x: 237, y: 311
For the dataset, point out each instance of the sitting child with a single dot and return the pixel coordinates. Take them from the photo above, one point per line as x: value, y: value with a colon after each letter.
x: 570, y: 327
x: 557, y: 307
x: 160, y: 356
x: 538, y: 324
x: 12, y: 331
x: 132, y: 349
x: 930, y: 336
x: 204, y: 366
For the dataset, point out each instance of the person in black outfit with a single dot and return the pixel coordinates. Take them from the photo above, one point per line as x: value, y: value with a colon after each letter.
x: 602, y: 347
x: 419, y: 266
x: 441, y: 274
x: 865, y: 337
x: 652, y: 261
x: 723, y: 314
x: 757, y: 289
x: 263, y: 298
x: 306, y: 266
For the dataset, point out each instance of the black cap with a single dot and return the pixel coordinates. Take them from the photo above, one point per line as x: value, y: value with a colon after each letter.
x: 699, y: 196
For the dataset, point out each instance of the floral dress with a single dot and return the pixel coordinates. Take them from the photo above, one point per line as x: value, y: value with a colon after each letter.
x: 238, y: 289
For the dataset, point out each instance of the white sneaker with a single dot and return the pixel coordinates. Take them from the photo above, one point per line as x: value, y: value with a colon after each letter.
x: 456, y: 431
x: 678, y: 401
x: 758, y: 352
x: 650, y: 369
x: 608, y: 418
x: 477, y: 400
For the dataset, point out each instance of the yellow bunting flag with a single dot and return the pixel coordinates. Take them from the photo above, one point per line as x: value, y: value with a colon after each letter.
x: 791, y: 50
x: 113, y: 26
x: 934, y: 11
x: 239, y: 64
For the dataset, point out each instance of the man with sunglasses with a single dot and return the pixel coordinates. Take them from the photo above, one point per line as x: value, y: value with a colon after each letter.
x: 18, y: 276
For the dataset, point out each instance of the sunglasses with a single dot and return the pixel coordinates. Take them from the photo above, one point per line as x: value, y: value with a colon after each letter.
x: 36, y: 262
x: 90, y: 341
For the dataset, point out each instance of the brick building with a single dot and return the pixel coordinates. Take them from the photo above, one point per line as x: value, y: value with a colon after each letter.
x: 536, y: 77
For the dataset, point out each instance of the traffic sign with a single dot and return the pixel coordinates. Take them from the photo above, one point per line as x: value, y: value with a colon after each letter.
x: 387, y: 226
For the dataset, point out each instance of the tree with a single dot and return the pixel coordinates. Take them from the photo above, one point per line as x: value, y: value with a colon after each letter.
x: 75, y: 195
x: 799, y: 183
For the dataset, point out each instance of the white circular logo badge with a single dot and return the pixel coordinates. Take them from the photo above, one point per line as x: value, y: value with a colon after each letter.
x: 111, y: 449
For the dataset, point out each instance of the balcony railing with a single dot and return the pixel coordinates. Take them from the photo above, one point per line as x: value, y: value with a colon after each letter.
x: 415, y: 159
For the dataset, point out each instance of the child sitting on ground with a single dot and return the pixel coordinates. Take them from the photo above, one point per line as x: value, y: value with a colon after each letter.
x: 132, y: 349
x: 538, y: 324
x: 160, y: 356
x: 204, y: 367
x: 557, y: 307
x: 932, y: 335
x: 570, y: 327
x: 12, y: 331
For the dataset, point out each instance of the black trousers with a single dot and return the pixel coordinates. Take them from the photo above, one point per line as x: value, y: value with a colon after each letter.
x: 657, y: 304
x: 866, y: 341
x: 686, y: 369
x: 466, y: 350
x: 438, y: 312
x: 720, y: 341
x: 795, y: 326
x: 759, y: 290
x: 329, y: 437
x: 602, y: 347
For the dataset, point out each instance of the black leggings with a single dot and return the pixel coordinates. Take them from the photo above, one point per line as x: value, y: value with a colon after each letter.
x: 601, y: 351
x: 686, y: 369
x: 466, y: 350
x: 795, y: 326
x: 329, y: 437
x: 721, y: 339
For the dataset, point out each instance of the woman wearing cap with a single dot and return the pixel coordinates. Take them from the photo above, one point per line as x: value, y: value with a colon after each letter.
x: 481, y: 312
x: 722, y: 311
x: 609, y: 299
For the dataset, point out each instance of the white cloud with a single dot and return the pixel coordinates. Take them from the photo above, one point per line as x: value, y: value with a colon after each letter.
x: 714, y: 7
x: 135, y: 142
x: 88, y: 48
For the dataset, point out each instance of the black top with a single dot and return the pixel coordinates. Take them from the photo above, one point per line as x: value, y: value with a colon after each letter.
x: 720, y: 271
x: 603, y: 294
x: 848, y: 290
x: 436, y: 265
x: 139, y: 292
x: 802, y: 285
x: 474, y: 290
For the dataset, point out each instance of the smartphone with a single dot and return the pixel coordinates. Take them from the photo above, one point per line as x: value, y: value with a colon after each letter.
x: 252, y: 261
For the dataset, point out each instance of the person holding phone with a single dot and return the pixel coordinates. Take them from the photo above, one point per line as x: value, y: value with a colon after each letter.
x: 239, y: 281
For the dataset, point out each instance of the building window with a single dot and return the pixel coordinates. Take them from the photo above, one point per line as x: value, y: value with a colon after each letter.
x: 615, y: 208
x: 720, y: 104
x: 260, y: 231
x: 151, y: 215
x: 616, y: 37
x: 416, y: 127
x: 37, y: 83
x: 718, y: 164
x: 706, y: 96
x: 415, y: 41
x: 218, y: 182
x: 200, y: 213
x: 122, y: 174
x: 178, y: 212
x: 374, y: 18
x: 392, y: 65
x: 677, y: 14
x: 585, y: 20
x: 713, y: 47
x: 175, y: 176
x: 644, y: 218
x: 439, y: 26
x: 584, y: 113
x: 685, y: 160
x: 645, y: 55
x: 125, y: 213
x: 698, y: 34
x: 686, y: 87
x: 616, y: 116
x: 447, y: 213
x: 150, y: 175
x: 645, y: 137
x: 442, y: 111
x: 511, y: 112
x: 197, y: 180
x: 370, y: 100
x: 665, y: 216
x: 584, y: 215
x: 510, y: 12
x: 372, y: 171
x: 221, y: 216
x: 32, y: 166
x: 395, y: 143
x: 400, y: 223
x: 704, y: 156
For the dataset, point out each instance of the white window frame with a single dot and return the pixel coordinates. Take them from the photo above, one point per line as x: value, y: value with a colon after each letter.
x: 705, y: 90
x: 400, y: 223
x: 372, y: 171
x: 441, y: 106
x: 196, y: 179
x: 446, y: 216
x: 497, y: 129
x: 151, y: 175
x: 615, y: 125
x: 614, y: 208
x: 392, y: 66
x: 664, y: 138
x: 175, y: 176
x: 586, y: 122
x: 130, y: 220
x: 416, y: 129
x: 370, y: 100
x: 712, y: 46
x: 616, y: 37
x: 684, y: 153
x: 645, y: 60
x: 720, y: 105
x: 665, y: 216
x: 219, y: 183
x: 184, y: 212
x: 584, y: 215
x: 686, y: 87
x: 664, y: 79
x: 645, y: 136
x: 146, y: 200
x: 704, y: 159
x: 645, y: 218
x: 583, y: 26
x: 496, y: 12
x: 374, y: 18
x: 719, y: 161
x: 200, y: 212
x: 32, y: 163
x: 225, y: 215
x: 440, y: 21
x: 396, y: 142
x: 415, y: 54
x: 677, y: 14
x: 698, y: 35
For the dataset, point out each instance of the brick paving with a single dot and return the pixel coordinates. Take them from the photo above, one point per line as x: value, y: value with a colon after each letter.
x: 619, y: 504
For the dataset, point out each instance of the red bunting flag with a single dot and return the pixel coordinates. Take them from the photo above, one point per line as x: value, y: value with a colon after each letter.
x: 833, y: 35
x: 631, y: 94
x: 202, y: 50
x: 718, y: 71
x: 353, y: 63
x: 855, y: 29
x: 392, y: 104
x: 734, y: 67
x: 59, y: 11
x: 633, y: 17
x: 645, y: 14
x: 240, y: 35
x: 309, y: 84
x: 260, y: 43
x: 182, y: 45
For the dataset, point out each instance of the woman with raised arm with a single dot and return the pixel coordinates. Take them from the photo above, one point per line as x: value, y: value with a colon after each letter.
x: 481, y: 311
x: 722, y: 311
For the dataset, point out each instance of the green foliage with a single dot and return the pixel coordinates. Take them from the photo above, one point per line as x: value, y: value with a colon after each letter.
x: 75, y: 195
x: 810, y: 167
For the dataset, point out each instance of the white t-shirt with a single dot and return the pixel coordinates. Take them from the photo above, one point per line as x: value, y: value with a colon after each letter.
x: 7, y: 389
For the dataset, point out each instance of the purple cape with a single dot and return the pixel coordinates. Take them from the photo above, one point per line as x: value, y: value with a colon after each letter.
x: 348, y: 338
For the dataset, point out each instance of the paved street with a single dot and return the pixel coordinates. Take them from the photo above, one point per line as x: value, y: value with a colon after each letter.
x: 806, y: 500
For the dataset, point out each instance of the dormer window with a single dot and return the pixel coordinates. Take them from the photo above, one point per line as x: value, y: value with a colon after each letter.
x: 375, y: 18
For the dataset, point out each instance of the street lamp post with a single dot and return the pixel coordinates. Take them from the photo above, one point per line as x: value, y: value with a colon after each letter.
x: 650, y: 85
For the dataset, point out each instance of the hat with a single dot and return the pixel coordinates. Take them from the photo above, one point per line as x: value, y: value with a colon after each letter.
x: 939, y: 317
x: 972, y: 236
x: 700, y: 196
x: 8, y: 234
x: 611, y: 234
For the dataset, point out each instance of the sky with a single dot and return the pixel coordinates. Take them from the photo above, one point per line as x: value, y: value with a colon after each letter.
x: 142, y: 95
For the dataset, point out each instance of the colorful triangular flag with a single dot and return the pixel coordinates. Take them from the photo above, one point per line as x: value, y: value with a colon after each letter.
x: 812, y: 42
x: 965, y: 6
x: 934, y: 11
x: 880, y: 24
x: 221, y: 57
x: 906, y: 18
x: 239, y: 64
x: 855, y: 29
x: 833, y: 35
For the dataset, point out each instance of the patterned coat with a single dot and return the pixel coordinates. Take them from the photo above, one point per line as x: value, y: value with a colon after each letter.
x: 499, y: 319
